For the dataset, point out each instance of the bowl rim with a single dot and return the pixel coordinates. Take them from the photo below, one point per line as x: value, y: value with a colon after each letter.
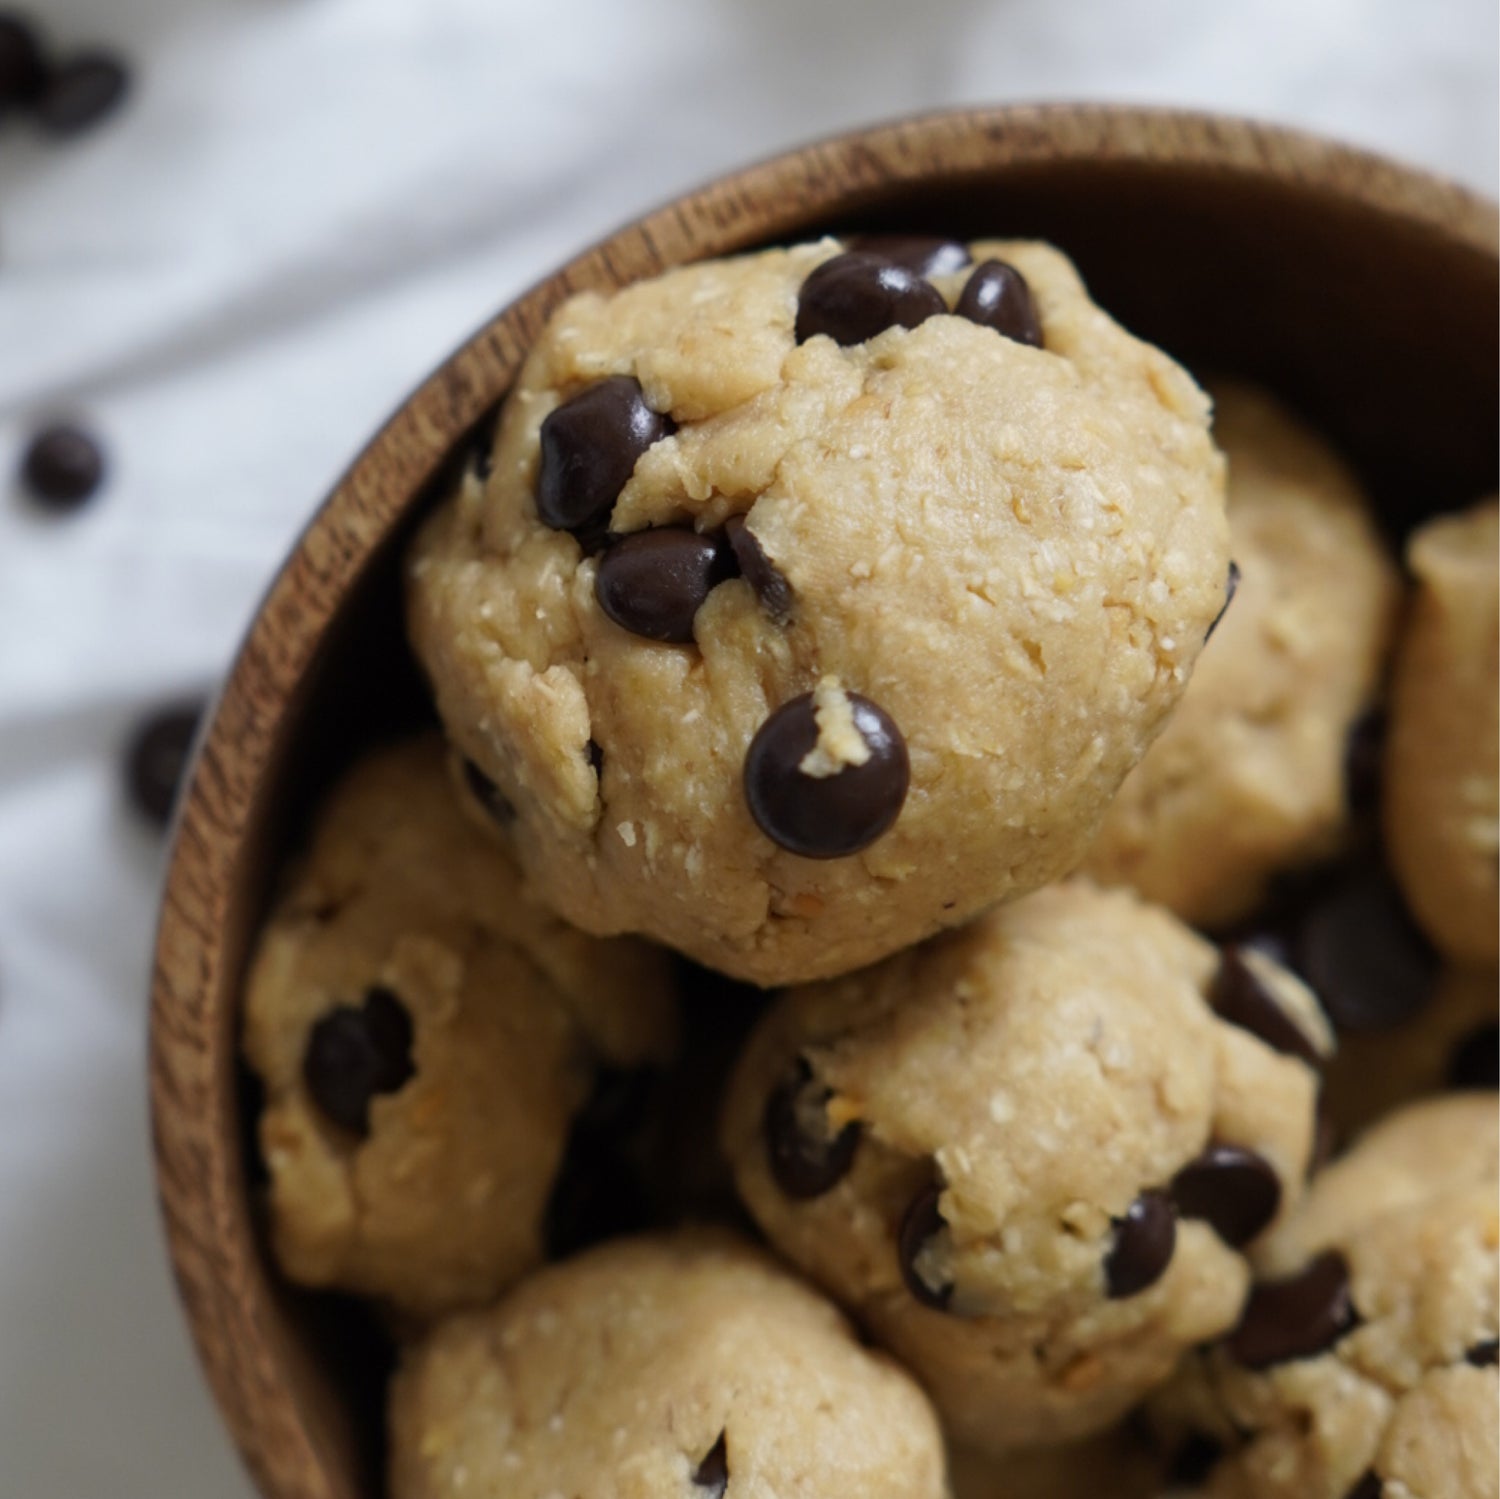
x: 200, y: 1189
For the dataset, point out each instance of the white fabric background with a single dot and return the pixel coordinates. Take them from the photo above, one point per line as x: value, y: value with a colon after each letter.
x: 306, y: 205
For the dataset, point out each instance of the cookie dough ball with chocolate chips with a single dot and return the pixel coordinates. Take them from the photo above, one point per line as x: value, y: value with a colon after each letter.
x: 675, y: 1368
x: 1442, y: 768
x: 425, y: 1036
x: 1247, y: 779
x: 797, y: 616
x: 1029, y: 1154
x: 1364, y: 1364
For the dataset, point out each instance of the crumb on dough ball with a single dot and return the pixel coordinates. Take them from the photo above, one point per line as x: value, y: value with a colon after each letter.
x: 1247, y: 778
x: 797, y: 617
x: 1442, y: 767
x: 1030, y: 1153
x: 425, y: 1036
x: 686, y: 1367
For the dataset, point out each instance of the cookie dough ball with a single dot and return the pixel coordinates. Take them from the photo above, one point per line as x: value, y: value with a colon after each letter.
x: 1364, y: 1364
x: 1116, y: 1464
x: 1247, y: 778
x: 1442, y: 826
x: 654, y: 1368
x: 1030, y: 1154
x: 798, y: 617
x: 425, y: 1036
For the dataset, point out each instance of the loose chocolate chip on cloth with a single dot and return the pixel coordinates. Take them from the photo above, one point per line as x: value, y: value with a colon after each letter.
x: 156, y: 757
x: 80, y: 91
x: 63, y: 466
x: 23, y: 69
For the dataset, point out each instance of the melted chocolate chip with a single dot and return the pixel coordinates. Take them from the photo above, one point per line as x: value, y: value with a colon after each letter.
x: 1299, y: 1317
x: 354, y: 1053
x: 22, y: 69
x: 921, y: 254
x: 922, y: 1223
x: 652, y: 583
x: 1475, y: 1061
x: 1231, y: 588
x: 63, y: 466
x: 997, y: 296
x: 1484, y: 1355
x: 1235, y: 1191
x: 712, y: 1474
x: 805, y: 1159
x: 771, y: 588
x: 1364, y: 760
x: 156, y: 757
x: 488, y: 794
x: 1240, y: 998
x: 1143, y: 1243
x: 854, y: 296
x: 1368, y: 1487
x: 825, y: 817
x: 80, y: 92
x: 589, y: 448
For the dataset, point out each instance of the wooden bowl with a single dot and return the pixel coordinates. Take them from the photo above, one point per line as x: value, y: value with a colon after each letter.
x: 1364, y: 292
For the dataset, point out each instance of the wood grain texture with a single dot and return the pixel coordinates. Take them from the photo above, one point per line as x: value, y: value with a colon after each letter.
x: 1387, y: 280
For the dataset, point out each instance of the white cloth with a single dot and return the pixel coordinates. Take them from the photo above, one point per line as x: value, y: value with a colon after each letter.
x: 306, y: 204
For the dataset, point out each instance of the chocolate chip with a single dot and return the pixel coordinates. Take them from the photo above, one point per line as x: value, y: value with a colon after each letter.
x: 1475, y: 1061
x: 353, y: 1054
x: 1484, y: 1355
x: 80, y: 92
x: 62, y: 467
x: 1364, y: 757
x: 771, y: 588
x: 1193, y: 1461
x: 805, y: 1158
x: 598, y: 1194
x: 652, y: 583
x: 825, y: 817
x: 1143, y: 1243
x: 156, y: 757
x: 997, y: 296
x: 22, y: 69
x: 712, y: 1473
x: 1363, y: 955
x: 921, y: 254
x: 1230, y: 589
x: 1299, y: 1317
x: 922, y: 1223
x: 589, y: 448
x: 1368, y: 1487
x: 1234, y: 1190
x: 488, y: 794
x: 1239, y: 997
x: 854, y: 296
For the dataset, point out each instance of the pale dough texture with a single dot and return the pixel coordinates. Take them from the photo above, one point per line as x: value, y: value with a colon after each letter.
x: 1441, y: 824
x: 1405, y: 1394
x: 1044, y: 1066
x: 1247, y: 779
x: 618, y: 1374
x: 1015, y: 552
x: 511, y: 1011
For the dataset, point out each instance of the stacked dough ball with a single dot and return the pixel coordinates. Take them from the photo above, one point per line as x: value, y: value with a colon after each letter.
x: 820, y: 614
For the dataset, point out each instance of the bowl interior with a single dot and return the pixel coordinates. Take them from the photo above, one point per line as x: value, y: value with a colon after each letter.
x: 1379, y: 326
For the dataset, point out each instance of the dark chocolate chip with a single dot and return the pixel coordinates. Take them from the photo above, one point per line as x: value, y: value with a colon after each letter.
x: 1231, y: 588
x: 922, y: 1223
x: 1475, y: 1061
x: 156, y: 757
x: 805, y: 1158
x: 1368, y: 1487
x: 652, y: 583
x: 355, y: 1053
x: 825, y: 817
x: 81, y: 91
x: 712, y: 1474
x: 1143, y: 1243
x: 1363, y: 955
x: 488, y: 794
x: 598, y: 1195
x: 1193, y: 1461
x: 1484, y: 1355
x: 1240, y: 998
x: 589, y: 448
x: 854, y: 296
x: 63, y: 466
x: 997, y: 296
x: 1235, y: 1191
x: 23, y: 73
x: 1299, y: 1317
x: 1364, y: 758
x: 921, y: 254
x: 771, y: 588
